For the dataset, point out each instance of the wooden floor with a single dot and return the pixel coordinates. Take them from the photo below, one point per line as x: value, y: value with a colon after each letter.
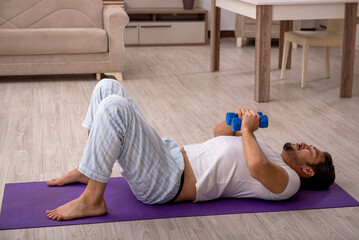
x: 41, y: 135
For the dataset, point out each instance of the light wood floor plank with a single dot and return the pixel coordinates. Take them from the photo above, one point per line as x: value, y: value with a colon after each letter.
x: 41, y: 135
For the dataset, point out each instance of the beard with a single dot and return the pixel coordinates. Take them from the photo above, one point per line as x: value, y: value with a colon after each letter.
x: 288, y: 147
x: 288, y: 150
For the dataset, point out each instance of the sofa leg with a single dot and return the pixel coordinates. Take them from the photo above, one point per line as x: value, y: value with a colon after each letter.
x: 98, y: 76
x: 117, y: 75
x: 239, y: 42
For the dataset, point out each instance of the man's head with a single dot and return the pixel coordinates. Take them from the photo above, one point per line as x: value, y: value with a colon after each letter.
x: 314, y: 167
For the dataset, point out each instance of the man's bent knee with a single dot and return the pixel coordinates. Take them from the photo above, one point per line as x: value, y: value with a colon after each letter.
x: 106, y: 83
x: 117, y: 107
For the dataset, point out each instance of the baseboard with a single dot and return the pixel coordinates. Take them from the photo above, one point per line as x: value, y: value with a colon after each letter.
x: 224, y: 33
x: 312, y: 29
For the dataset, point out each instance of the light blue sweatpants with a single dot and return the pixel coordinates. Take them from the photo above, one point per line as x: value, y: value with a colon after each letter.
x: 120, y: 133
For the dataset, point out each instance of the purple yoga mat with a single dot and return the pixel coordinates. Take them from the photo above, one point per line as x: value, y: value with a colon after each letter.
x: 24, y: 204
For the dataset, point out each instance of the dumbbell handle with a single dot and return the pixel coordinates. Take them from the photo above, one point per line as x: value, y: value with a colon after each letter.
x: 235, y: 122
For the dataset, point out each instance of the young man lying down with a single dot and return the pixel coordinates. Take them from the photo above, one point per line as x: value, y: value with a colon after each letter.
x: 233, y: 164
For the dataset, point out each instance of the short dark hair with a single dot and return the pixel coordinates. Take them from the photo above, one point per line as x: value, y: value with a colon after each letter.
x: 324, y: 175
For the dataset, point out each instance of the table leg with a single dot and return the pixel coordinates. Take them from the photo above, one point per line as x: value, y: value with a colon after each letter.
x: 285, y: 26
x: 215, y: 36
x: 346, y: 82
x: 262, y: 53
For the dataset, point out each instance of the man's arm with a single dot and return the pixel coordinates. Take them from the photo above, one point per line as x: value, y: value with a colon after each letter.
x: 271, y: 175
x: 222, y: 129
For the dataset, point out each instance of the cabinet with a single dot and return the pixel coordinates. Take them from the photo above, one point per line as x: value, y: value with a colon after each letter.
x: 245, y: 27
x: 166, y: 26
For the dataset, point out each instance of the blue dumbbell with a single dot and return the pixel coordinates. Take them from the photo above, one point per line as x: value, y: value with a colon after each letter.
x: 233, y: 120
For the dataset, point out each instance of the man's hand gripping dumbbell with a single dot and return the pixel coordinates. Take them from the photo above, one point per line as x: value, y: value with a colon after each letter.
x: 235, y: 122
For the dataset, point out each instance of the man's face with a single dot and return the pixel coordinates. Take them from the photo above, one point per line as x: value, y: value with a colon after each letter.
x: 303, y: 154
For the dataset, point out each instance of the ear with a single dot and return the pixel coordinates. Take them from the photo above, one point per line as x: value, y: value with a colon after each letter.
x: 307, y: 171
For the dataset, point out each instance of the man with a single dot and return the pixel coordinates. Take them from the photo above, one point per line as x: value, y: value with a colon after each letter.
x: 233, y: 164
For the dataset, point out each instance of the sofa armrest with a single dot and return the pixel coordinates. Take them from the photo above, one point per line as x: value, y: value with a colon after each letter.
x: 114, y: 20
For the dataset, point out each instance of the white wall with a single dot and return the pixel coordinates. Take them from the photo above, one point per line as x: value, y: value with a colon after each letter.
x: 227, y: 18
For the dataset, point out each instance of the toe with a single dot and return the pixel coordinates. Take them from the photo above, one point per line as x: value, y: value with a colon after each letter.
x: 50, y: 215
x: 50, y: 182
x: 53, y: 216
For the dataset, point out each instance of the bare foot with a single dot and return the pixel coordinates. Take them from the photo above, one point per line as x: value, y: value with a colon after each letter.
x: 78, y: 208
x: 74, y: 176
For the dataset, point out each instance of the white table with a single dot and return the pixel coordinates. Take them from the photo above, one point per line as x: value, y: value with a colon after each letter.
x: 264, y: 11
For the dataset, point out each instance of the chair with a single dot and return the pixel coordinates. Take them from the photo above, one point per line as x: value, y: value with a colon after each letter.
x: 332, y: 37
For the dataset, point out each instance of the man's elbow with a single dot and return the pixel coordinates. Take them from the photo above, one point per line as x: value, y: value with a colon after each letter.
x: 215, y: 131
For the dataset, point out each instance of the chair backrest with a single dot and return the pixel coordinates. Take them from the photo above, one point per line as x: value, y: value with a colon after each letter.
x: 336, y: 26
x: 18, y: 14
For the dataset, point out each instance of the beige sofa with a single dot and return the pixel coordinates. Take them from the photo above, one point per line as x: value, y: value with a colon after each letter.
x: 245, y: 27
x: 40, y: 37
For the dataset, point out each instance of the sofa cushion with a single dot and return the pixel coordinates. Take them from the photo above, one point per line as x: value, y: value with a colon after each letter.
x: 51, y: 14
x: 53, y: 41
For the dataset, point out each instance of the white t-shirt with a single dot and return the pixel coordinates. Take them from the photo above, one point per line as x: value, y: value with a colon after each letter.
x: 221, y: 171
